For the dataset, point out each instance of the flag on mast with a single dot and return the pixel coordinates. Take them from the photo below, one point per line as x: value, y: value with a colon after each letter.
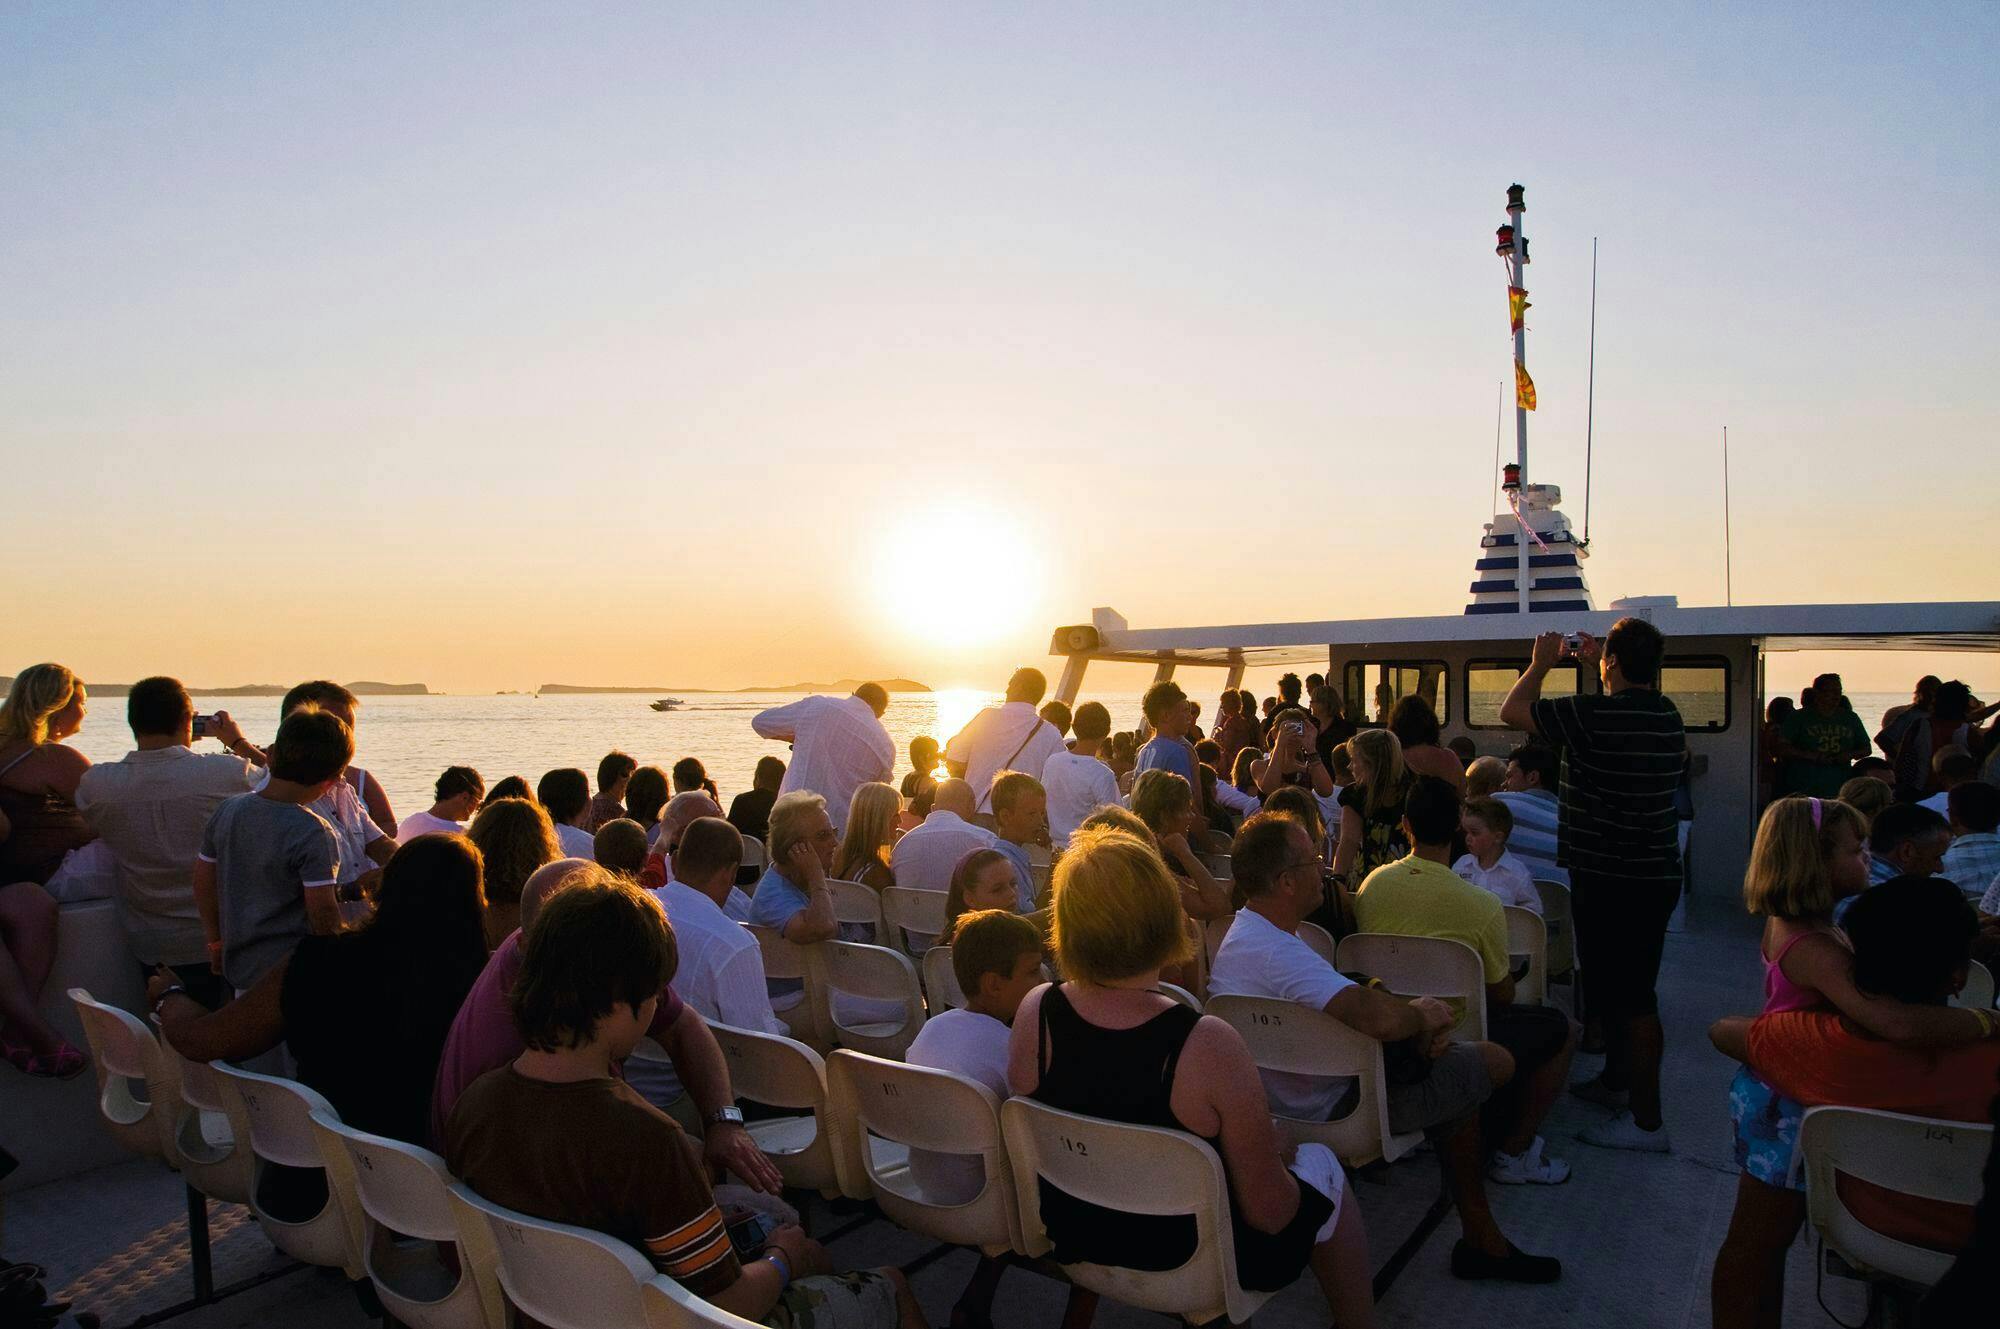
x: 1524, y: 387
x: 1517, y: 306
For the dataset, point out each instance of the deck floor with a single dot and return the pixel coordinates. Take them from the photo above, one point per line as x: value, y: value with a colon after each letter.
x: 1636, y: 1233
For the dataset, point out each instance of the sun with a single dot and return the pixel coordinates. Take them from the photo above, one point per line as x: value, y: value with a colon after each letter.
x: 955, y: 574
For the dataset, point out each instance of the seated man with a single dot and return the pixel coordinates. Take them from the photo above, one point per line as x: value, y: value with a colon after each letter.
x: 614, y: 773
x: 486, y: 1036
x: 459, y: 792
x: 1530, y: 798
x: 1907, y: 840
x: 924, y: 858
x: 1278, y: 872
x: 620, y: 845
x: 1420, y: 896
x: 1021, y: 815
x: 721, y: 969
x: 1973, y: 860
x: 555, y: 1135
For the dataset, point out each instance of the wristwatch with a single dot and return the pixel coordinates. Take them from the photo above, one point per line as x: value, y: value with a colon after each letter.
x: 731, y: 1116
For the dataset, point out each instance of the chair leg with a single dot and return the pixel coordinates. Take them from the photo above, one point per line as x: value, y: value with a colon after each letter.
x: 198, y: 1257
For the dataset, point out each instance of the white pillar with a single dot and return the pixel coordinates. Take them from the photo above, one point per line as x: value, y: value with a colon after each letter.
x: 1071, y: 682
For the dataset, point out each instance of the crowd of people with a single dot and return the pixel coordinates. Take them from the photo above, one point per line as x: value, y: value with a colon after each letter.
x: 479, y: 977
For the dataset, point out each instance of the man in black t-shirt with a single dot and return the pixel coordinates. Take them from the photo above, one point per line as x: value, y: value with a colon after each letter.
x: 1619, y: 836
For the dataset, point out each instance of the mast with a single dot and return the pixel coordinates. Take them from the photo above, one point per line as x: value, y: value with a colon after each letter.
x: 1517, y: 257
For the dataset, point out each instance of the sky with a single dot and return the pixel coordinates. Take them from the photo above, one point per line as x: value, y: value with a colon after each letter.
x: 710, y: 345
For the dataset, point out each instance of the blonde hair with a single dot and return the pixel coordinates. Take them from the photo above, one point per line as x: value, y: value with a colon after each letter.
x: 1383, y: 752
x: 1868, y: 796
x: 39, y: 691
x: 787, y: 824
x: 1158, y: 794
x: 1484, y: 775
x: 1788, y: 877
x: 870, y: 817
x: 1117, y: 911
x: 1111, y: 817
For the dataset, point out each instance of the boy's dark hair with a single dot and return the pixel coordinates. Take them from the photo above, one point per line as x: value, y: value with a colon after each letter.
x: 319, y: 692
x: 1059, y: 715
x: 312, y: 746
x: 1953, y: 701
x: 990, y: 941
x: 707, y: 845
x: 563, y: 793
x: 158, y: 707
x: 1975, y: 805
x: 458, y: 780
x: 688, y: 774
x: 1911, y: 935
x: 600, y: 940
x: 923, y: 752
x: 1870, y: 765
x: 620, y: 844
x: 646, y: 794
x: 1208, y: 752
x: 1900, y: 824
x: 1498, y: 817
x: 770, y: 774
x: 1414, y: 722
x: 1538, y: 759
x: 1639, y: 647
x: 1091, y: 721
x: 616, y: 766
x: 1289, y: 688
x: 1259, y: 853
x: 1160, y: 698
x: 1432, y: 810
x: 510, y: 786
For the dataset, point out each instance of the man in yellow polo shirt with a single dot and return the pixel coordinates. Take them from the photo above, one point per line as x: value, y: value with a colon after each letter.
x: 1420, y: 896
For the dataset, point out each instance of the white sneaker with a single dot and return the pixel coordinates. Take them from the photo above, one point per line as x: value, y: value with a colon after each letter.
x: 1621, y: 1132
x: 1594, y: 1090
x: 1530, y: 1167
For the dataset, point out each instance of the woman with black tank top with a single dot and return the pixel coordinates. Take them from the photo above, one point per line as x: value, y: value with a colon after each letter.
x: 1109, y: 1044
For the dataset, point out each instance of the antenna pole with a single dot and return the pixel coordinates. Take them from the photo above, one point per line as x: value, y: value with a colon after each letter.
x: 1728, y: 553
x: 1499, y: 399
x: 1516, y: 260
x: 1590, y: 397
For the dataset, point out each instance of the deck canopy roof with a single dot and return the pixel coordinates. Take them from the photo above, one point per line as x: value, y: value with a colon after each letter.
x: 1965, y: 625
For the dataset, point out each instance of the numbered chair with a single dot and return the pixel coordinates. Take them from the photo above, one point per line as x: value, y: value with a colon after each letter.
x: 1285, y: 1036
x: 393, y: 1198
x: 894, y: 1110
x: 916, y: 916
x: 786, y: 1074
x: 1132, y: 1170
x: 123, y: 1050
x: 871, y: 982
x: 1978, y: 989
x: 855, y: 903
x: 941, y: 981
x: 275, y: 1116
x: 1528, y: 939
x: 572, y: 1278
x: 1913, y: 1156
x: 1423, y: 967
x: 1317, y: 937
x: 806, y: 1017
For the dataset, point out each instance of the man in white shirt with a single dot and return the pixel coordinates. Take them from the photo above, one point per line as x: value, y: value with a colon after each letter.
x: 924, y: 857
x: 1077, y: 782
x: 721, y: 970
x: 1278, y: 872
x: 150, y: 810
x: 838, y: 745
x: 565, y: 795
x: 459, y: 793
x: 1009, y: 737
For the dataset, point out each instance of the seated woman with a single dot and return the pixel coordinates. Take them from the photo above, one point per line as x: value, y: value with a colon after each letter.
x: 1416, y: 727
x: 873, y: 822
x: 1166, y: 803
x: 364, y: 1013
x: 1107, y: 1043
x: 514, y: 837
x: 1371, y: 807
x: 983, y: 879
x: 645, y: 794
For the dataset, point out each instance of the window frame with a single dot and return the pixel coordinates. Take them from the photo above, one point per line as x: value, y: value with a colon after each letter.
x: 1367, y: 703
x: 1520, y: 665
x: 1728, y: 688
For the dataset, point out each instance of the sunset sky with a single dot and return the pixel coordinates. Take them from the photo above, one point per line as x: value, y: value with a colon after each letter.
x: 723, y: 344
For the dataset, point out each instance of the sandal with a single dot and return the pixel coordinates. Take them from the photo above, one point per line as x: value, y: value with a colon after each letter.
x: 65, y: 1063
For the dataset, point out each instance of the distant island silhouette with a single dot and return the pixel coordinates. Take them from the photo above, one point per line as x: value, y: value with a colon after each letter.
x: 362, y: 689
x: 842, y: 685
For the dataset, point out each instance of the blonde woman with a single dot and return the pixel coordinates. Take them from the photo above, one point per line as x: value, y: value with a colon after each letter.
x: 1166, y: 803
x: 1371, y: 808
x: 873, y: 819
x: 1108, y: 1043
x: 38, y: 778
x: 514, y: 837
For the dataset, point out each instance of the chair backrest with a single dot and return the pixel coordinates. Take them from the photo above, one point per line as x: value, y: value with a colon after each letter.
x: 935, y: 1111
x: 212, y: 1159
x: 1916, y: 1156
x: 1423, y: 967
x: 1038, y: 855
x: 561, y: 1276
x: 854, y: 902
x: 279, y: 1115
x: 1218, y: 843
x: 1197, y: 983
x: 1560, y: 919
x: 807, y: 1020
x: 1317, y: 937
x: 1133, y: 1170
x: 941, y: 980
x: 1297, y: 1040
x: 275, y: 1117
x: 123, y: 1050
x: 753, y: 853
x: 1040, y: 875
x: 1180, y: 994
x: 785, y: 1073
x: 1219, y: 864
x: 916, y: 915
x: 877, y: 974
x: 1978, y: 989
x: 1528, y: 937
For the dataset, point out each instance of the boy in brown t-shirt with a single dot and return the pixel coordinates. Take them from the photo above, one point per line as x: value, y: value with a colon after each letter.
x: 555, y: 1136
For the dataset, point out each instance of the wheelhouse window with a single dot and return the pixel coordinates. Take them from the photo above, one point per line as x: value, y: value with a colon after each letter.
x: 1372, y: 688
x: 1699, y: 686
x: 1487, y: 683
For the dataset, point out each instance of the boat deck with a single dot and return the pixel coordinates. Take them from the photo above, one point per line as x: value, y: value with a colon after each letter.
x: 1636, y: 1233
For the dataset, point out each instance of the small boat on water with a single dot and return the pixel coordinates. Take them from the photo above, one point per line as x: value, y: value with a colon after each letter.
x: 668, y: 704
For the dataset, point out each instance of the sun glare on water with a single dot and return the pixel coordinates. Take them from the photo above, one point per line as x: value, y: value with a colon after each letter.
x: 957, y: 575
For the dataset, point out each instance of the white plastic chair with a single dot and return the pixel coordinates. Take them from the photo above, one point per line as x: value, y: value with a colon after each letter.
x: 1978, y: 989
x: 807, y: 1019
x: 392, y: 1196
x: 941, y: 981
x: 753, y: 853
x: 572, y: 1278
x: 1179, y: 994
x: 1528, y: 937
x: 1916, y: 1156
x: 1219, y: 864
x: 1133, y: 1170
x: 1559, y: 917
x: 854, y: 902
x: 123, y: 1050
x: 275, y: 1116
x: 877, y: 974
x: 1038, y: 855
x: 212, y: 1160
x: 1040, y: 875
x: 1423, y: 967
x: 1317, y: 937
x: 917, y: 1108
x: 809, y: 1151
x: 916, y: 915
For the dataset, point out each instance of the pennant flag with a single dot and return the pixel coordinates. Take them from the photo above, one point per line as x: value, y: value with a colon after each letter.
x: 1524, y: 387
x: 1517, y: 305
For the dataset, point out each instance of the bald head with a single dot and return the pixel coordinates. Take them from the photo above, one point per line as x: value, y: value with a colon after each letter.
x: 954, y: 796
x: 545, y: 881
